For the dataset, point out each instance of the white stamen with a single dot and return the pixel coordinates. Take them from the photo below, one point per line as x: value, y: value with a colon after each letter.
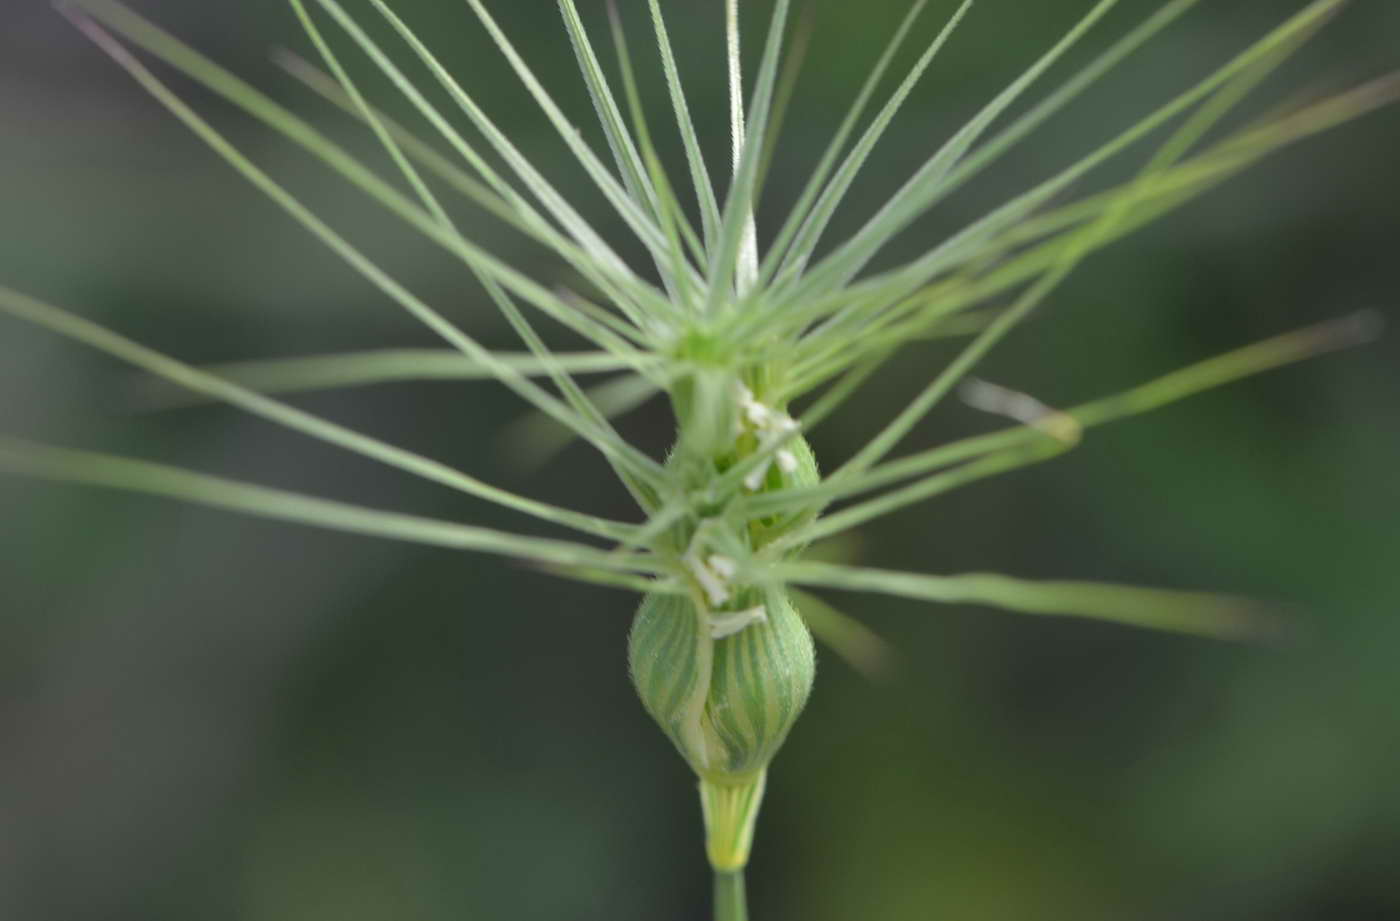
x: 729, y: 623
x: 770, y: 425
x: 713, y: 586
x: 725, y: 567
x: 755, y: 479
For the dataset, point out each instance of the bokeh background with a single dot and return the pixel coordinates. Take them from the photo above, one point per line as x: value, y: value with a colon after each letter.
x: 208, y: 716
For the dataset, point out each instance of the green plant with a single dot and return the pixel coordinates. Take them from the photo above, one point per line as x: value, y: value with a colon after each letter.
x: 735, y: 336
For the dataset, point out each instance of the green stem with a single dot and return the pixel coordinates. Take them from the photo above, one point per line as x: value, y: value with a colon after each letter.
x: 730, y: 812
x: 730, y: 904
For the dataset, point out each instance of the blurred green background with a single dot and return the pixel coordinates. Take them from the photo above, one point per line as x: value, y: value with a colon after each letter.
x: 207, y: 716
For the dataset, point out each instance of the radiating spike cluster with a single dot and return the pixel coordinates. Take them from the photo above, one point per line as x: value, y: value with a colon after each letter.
x: 733, y: 337
x: 793, y: 323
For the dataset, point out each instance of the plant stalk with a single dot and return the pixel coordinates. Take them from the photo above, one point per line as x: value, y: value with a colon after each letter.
x: 730, y: 904
x: 731, y: 811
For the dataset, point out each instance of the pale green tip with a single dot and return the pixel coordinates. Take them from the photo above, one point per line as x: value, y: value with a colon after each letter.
x: 731, y: 812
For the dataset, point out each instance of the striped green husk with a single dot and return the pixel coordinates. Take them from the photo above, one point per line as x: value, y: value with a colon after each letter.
x: 758, y: 686
x: 671, y: 653
x: 726, y: 704
x: 807, y: 474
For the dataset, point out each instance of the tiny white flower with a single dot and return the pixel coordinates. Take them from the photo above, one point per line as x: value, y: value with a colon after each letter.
x: 729, y: 623
x: 754, y: 480
x: 724, y: 566
x: 711, y: 584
